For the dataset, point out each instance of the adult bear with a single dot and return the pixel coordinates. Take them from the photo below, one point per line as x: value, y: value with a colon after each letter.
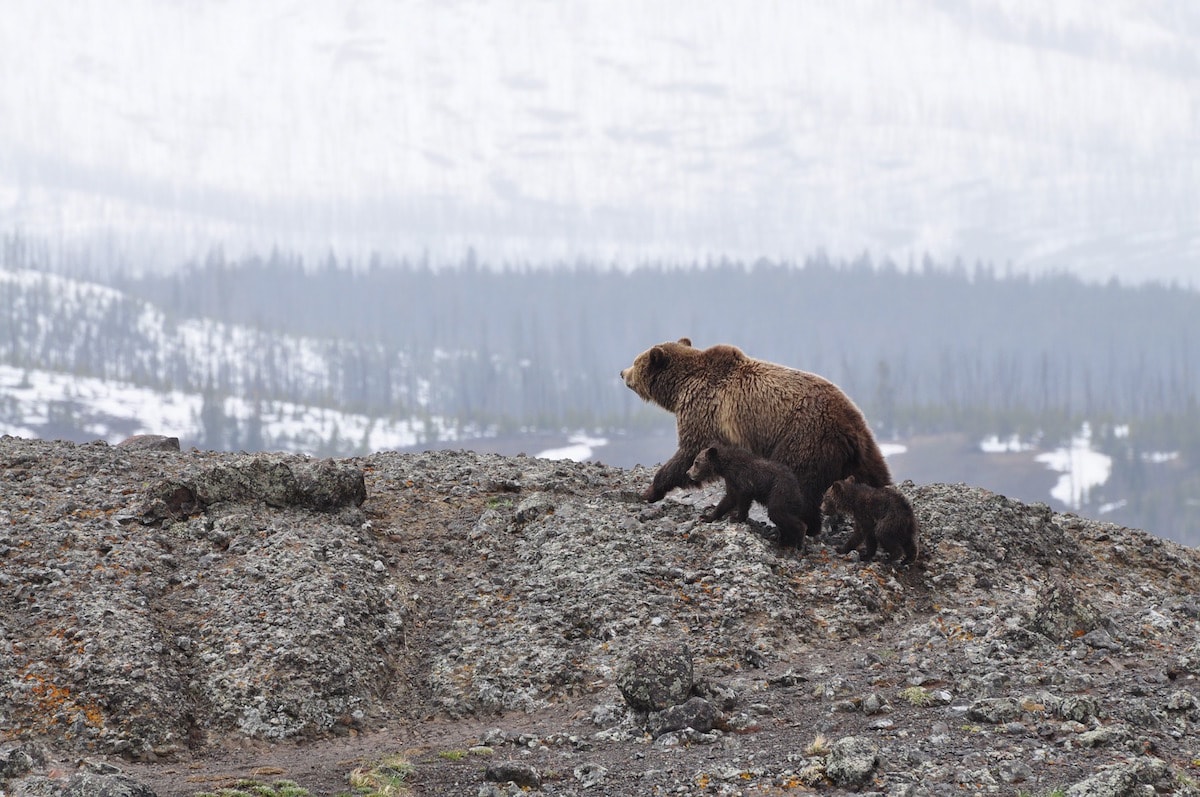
x: 796, y: 418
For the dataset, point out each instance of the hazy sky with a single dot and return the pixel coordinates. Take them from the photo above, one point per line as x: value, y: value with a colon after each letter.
x: 1057, y: 135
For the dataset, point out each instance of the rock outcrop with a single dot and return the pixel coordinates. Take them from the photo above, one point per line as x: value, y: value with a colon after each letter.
x: 159, y: 605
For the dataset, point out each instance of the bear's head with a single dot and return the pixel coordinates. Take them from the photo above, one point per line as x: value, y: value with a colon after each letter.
x: 706, y: 466
x: 837, y: 498
x: 655, y: 374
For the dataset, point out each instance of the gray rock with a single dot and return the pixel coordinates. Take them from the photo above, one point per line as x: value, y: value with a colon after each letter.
x: 19, y: 759
x: 517, y: 772
x: 1120, y: 780
x: 590, y: 775
x: 1062, y: 614
x: 329, y: 485
x: 87, y: 784
x: 1105, y: 735
x: 1079, y: 708
x: 851, y: 761
x: 1180, y: 700
x: 150, y: 442
x: 697, y: 714
x: 994, y: 710
x: 656, y: 676
x: 1015, y: 771
x: 272, y: 480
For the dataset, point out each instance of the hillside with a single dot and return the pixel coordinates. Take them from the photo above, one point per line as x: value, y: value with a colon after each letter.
x: 185, y: 619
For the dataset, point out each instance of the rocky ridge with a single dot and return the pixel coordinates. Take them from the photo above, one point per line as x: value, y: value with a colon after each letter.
x: 173, y: 619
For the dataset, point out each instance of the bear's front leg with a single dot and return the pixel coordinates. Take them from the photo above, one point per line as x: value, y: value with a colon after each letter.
x: 672, y: 474
x: 719, y: 511
x: 856, y: 539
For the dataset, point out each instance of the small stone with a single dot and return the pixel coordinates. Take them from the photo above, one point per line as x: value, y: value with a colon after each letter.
x: 1015, y: 771
x: 875, y: 704
x: 1180, y: 701
x: 590, y: 775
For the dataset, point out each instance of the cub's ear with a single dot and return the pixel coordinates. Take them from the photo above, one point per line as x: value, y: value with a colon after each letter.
x: 686, y: 341
x: 658, y: 357
x: 849, y: 480
x: 711, y: 452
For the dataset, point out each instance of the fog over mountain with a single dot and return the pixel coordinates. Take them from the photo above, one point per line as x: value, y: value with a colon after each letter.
x: 1045, y: 136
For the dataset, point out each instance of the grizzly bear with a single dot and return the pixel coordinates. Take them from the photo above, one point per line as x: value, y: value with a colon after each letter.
x: 882, y: 516
x: 795, y: 418
x: 749, y: 478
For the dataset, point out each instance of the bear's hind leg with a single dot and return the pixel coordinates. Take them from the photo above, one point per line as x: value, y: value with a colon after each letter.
x: 810, y: 511
x: 867, y: 528
x: 742, y: 513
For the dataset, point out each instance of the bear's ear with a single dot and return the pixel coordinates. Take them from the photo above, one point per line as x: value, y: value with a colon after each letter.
x: 711, y: 452
x: 849, y: 480
x: 658, y: 357
x: 685, y: 341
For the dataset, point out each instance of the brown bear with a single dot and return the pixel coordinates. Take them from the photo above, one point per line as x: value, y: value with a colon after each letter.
x: 750, y: 478
x: 882, y: 516
x: 798, y: 419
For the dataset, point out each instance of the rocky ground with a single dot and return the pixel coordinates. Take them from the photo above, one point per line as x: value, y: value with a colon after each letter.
x: 473, y: 624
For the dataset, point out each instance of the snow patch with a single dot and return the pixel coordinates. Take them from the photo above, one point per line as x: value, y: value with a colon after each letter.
x: 1082, y: 468
x: 1009, y: 445
x: 580, y: 447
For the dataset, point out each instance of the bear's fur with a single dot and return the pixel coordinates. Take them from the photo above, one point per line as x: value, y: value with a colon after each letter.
x: 798, y: 419
x: 749, y: 478
x: 882, y: 516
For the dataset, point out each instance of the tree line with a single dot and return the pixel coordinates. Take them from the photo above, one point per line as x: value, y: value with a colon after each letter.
x: 925, y: 348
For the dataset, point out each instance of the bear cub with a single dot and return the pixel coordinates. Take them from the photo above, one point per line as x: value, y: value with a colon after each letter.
x: 882, y: 516
x: 749, y: 478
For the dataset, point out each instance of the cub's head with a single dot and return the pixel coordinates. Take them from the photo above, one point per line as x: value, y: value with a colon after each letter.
x: 654, y: 373
x: 706, y: 466
x: 837, y: 498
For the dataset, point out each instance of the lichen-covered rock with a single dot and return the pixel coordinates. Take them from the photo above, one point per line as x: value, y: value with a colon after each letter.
x: 1062, y: 614
x: 275, y: 480
x: 19, y: 759
x: 86, y: 784
x: 851, y: 761
x: 1119, y: 780
x: 994, y: 710
x: 656, y: 677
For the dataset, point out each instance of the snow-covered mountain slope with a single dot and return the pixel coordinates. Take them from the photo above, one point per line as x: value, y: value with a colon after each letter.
x: 54, y: 405
x: 1061, y: 135
x: 83, y: 361
x: 75, y: 326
